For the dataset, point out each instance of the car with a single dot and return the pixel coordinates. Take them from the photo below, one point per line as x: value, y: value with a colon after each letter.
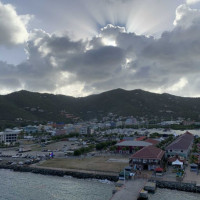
x: 16, y: 156
x: 13, y: 163
x: 124, y: 174
x: 27, y: 162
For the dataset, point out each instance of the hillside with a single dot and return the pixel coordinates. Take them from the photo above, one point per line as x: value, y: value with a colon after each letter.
x: 49, y: 107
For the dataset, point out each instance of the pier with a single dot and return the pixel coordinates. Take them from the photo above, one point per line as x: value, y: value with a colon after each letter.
x: 130, y: 191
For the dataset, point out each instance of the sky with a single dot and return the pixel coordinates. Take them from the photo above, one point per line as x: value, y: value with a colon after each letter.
x: 84, y: 47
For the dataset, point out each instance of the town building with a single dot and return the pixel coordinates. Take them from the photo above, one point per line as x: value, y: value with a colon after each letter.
x: 119, y: 123
x: 30, y: 129
x: 152, y: 141
x: 9, y: 136
x: 131, y: 146
x: 83, y: 130
x: 130, y: 122
x: 181, y: 146
x: 148, y: 158
x: 141, y: 138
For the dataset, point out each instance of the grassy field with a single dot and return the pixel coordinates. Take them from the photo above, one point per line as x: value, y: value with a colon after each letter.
x: 90, y: 164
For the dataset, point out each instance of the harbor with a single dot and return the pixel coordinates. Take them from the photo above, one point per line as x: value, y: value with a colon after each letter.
x: 145, y: 185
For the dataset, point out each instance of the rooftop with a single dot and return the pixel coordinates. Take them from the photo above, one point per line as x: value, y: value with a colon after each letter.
x: 183, y: 142
x: 133, y: 144
x: 152, y: 141
x: 141, y: 138
x: 149, y: 152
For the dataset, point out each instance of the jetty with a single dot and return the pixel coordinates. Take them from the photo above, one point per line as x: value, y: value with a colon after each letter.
x: 130, y: 191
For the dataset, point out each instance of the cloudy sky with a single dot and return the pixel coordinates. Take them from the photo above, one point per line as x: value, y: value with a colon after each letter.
x: 84, y: 47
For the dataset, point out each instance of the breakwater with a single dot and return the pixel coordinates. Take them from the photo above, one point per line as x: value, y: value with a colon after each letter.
x: 187, y: 187
x: 54, y: 172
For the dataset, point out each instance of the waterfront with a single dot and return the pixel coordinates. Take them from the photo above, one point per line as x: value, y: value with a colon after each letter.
x: 17, y: 186
x: 166, y: 131
x: 166, y: 194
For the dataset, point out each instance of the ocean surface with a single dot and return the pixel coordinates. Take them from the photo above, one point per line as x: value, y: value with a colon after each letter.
x: 28, y: 186
x: 165, y: 194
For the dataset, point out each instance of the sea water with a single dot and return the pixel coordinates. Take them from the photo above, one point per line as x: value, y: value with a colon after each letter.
x: 29, y: 186
x: 166, y: 194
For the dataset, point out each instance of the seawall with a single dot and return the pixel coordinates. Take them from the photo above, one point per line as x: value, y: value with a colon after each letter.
x: 54, y: 172
x: 188, y: 187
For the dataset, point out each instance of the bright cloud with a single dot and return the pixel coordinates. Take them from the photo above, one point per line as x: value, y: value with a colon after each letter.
x: 192, y: 1
x: 179, y: 85
x: 186, y: 17
x: 12, y: 26
x: 115, y: 57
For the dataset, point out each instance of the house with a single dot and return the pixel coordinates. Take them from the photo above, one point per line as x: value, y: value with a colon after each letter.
x: 130, y: 122
x: 131, y: 146
x: 198, y: 147
x: 59, y: 125
x: 148, y: 158
x: 83, y: 130
x: 30, y: 129
x: 188, y: 123
x: 181, y: 146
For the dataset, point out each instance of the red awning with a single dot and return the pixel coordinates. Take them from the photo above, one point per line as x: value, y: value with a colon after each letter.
x: 159, y: 169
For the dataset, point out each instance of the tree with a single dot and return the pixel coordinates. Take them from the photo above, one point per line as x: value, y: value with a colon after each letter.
x: 77, y: 152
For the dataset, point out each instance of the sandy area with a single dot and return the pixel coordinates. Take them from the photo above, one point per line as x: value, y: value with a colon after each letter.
x: 88, y: 163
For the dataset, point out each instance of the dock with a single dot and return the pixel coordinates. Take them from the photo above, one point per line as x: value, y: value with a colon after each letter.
x: 129, y: 191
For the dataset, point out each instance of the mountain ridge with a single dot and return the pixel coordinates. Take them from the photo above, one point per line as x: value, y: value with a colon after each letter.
x: 139, y: 103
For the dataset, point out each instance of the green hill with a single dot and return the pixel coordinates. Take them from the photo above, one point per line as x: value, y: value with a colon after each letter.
x: 48, y: 107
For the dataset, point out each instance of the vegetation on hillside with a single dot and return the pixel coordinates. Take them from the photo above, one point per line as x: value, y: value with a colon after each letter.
x: 25, y: 107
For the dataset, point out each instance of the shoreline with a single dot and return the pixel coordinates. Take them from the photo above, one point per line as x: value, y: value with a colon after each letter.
x: 61, y: 172
x: 180, y: 186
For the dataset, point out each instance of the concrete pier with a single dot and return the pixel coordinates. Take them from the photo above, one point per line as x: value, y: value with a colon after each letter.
x: 130, y: 191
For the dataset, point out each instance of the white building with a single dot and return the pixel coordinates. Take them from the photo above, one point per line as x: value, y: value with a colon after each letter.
x: 131, y: 121
x: 83, y: 130
x: 9, y: 135
x: 119, y: 123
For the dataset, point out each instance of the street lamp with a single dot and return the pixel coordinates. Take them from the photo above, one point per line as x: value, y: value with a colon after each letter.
x: 124, y: 176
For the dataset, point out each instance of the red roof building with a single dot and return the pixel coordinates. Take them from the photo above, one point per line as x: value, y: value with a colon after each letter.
x: 148, y: 158
x: 152, y: 141
x: 130, y: 146
x: 141, y: 138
